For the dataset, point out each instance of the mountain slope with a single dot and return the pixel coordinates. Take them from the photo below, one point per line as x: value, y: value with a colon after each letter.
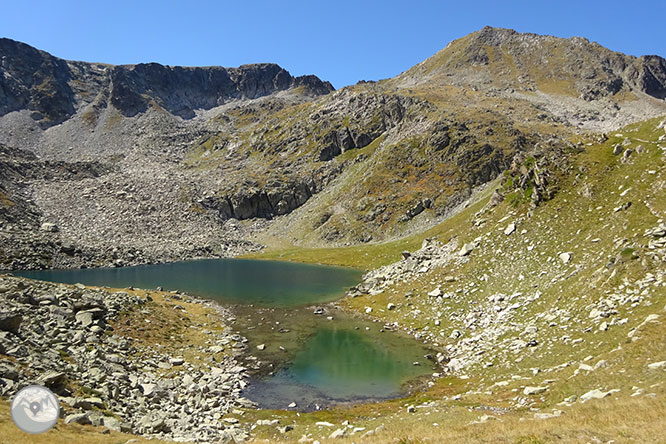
x: 134, y: 122
x: 253, y: 154
x: 578, y: 82
x: 503, y: 58
x: 464, y: 118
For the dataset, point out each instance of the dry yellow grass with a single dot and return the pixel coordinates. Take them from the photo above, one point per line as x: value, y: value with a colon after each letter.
x: 625, y: 420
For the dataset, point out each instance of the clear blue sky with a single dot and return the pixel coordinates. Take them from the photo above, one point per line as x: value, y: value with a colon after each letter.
x: 340, y: 41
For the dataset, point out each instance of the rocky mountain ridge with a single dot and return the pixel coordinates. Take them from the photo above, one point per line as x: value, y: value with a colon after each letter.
x: 212, y: 161
x: 54, y: 89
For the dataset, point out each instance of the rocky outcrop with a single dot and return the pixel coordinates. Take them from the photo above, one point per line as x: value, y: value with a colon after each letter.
x: 182, y: 90
x: 533, y: 175
x: 354, y: 121
x: 652, y: 77
x: 273, y: 199
x: 36, y: 81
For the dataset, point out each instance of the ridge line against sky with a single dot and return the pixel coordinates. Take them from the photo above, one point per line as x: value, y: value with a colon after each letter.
x: 342, y: 42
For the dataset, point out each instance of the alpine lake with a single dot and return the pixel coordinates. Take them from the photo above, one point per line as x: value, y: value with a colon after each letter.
x: 314, y: 354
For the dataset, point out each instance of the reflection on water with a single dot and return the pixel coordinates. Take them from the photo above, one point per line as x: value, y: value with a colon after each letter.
x: 346, y: 357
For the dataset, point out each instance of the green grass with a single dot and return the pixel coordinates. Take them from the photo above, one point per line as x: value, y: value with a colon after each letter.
x: 373, y: 255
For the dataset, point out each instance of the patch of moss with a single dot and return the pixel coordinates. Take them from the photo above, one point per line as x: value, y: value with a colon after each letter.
x: 5, y: 201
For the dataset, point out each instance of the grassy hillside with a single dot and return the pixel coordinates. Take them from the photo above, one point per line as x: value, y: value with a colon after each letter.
x: 516, y: 315
x: 392, y: 158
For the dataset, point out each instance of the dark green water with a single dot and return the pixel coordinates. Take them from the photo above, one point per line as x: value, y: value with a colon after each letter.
x: 342, y: 361
x: 236, y: 281
x: 308, y: 358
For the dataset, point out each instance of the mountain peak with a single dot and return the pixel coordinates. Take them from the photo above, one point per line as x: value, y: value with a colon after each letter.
x: 493, y: 36
x: 504, y: 58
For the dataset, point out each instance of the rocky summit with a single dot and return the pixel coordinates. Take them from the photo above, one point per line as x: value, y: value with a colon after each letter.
x: 506, y: 199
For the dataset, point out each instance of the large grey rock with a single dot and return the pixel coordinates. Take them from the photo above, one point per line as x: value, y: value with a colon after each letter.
x: 8, y: 371
x: 85, y: 318
x: 53, y: 378
x: 79, y: 418
x: 10, y: 321
x: 285, y: 429
x: 415, y: 210
x: 339, y: 433
x: 87, y: 403
x: 657, y: 365
x: 595, y: 394
x: 534, y: 390
x: 565, y: 257
x: 6, y: 386
x: 49, y: 227
x: 111, y: 423
x: 153, y: 423
x: 466, y: 249
x: 148, y: 389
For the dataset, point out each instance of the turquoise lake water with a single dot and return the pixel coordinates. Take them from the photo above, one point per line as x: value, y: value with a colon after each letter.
x: 236, y: 281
